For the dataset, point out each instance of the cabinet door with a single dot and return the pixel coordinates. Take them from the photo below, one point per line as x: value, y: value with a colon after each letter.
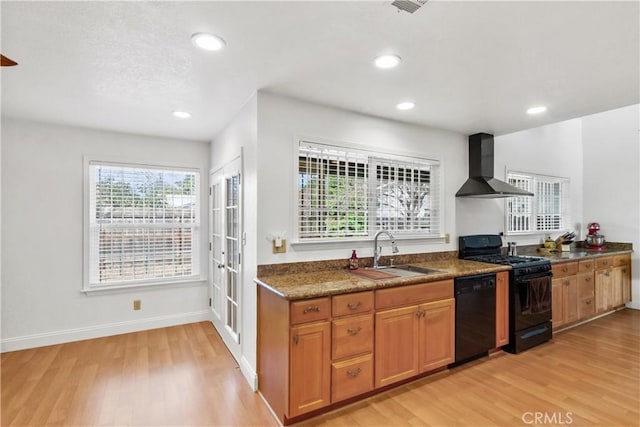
x: 310, y: 368
x: 625, y: 279
x: 396, y: 344
x: 436, y: 343
x: 570, y: 298
x: 617, y: 286
x: 502, y: 309
x: 603, y: 283
x: 557, y: 303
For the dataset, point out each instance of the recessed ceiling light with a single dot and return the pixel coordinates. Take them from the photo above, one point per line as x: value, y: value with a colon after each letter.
x: 536, y: 110
x: 405, y: 105
x: 208, y: 41
x: 181, y: 114
x: 387, y: 61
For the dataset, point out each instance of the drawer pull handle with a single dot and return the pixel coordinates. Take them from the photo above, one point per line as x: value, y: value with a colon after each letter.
x: 354, y: 373
x: 567, y: 283
x: 311, y: 308
x: 295, y: 339
x: 588, y: 301
x: 587, y: 279
x: 565, y: 269
x: 354, y: 331
x: 420, y: 313
x: 354, y: 306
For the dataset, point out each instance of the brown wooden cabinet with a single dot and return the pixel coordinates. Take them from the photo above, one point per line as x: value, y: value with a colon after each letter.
x: 397, y: 334
x: 622, y: 278
x: 414, y: 330
x: 436, y: 335
x: 351, y: 345
x: 586, y: 289
x: 502, y: 308
x: 309, y: 369
x: 564, y: 294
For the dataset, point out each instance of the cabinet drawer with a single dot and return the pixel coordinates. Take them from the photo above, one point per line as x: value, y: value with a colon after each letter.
x: 412, y: 294
x: 566, y: 269
x: 356, y: 303
x: 351, y: 377
x: 310, y: 310
x: 351, y: 336
x: 586, y: 265
x: 621, y: 260
x: 586, y: 308
x: 604, y: 262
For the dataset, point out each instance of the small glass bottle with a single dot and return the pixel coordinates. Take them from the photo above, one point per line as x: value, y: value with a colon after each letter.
x: 353, y: 261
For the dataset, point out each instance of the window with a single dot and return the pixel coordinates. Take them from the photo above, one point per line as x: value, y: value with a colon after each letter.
x: 347, y: 193
x: 143, y: 225
x: 547, y: 210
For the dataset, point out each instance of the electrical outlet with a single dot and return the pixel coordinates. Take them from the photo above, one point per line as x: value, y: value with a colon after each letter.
x: 280, y: 249
x: 137, y: 304
x: 447, y: 238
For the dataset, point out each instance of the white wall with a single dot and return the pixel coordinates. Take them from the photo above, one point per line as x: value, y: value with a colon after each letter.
x: 612, y: 179
x: 281, y: 120
x: 241, y: 135
x: 42, y: 246
x: 554, y: 150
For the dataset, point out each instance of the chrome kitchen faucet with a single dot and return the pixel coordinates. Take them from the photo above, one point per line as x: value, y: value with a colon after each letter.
x: 378, y: 250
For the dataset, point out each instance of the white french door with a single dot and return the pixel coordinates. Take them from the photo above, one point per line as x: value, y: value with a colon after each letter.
x: 225, y: 257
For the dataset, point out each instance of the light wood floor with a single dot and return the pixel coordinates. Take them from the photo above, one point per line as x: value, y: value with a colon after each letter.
x: 586, y: 376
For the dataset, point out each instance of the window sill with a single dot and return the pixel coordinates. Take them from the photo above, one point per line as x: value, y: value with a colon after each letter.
x: 192, y: 281
x: 350, y: 241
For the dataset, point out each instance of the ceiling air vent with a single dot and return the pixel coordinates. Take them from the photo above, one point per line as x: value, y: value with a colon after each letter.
x: 409, y: 5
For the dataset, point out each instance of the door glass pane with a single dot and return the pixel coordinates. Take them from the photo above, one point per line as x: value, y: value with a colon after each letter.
x: 232, y: 249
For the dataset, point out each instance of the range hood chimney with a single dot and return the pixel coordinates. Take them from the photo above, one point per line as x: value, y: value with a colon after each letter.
x: 481, y: 182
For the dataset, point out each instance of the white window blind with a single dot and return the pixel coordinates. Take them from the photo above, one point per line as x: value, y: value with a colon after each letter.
x: 546, y: 211
x: 345, y: 192
x: 143, y: 224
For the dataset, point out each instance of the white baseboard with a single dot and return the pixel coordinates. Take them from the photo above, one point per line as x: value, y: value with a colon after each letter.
x: 98, y: 331
x: 248, y: 372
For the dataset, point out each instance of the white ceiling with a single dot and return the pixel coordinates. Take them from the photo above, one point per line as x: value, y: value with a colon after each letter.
x: 469, y: 66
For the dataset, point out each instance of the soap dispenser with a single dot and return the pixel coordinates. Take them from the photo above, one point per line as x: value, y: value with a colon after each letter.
x: 353, y: 261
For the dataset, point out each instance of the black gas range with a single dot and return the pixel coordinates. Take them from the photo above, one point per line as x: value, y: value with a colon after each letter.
x: 529, y: 289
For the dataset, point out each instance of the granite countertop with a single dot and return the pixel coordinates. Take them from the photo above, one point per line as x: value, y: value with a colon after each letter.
x: 313, y: 284
x: 577, y: 252
x: 303, y: 280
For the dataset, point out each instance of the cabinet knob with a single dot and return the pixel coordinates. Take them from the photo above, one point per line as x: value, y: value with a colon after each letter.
x: 354, y: 331
x: 420, y: 313
x: 587, y: 279
x: 588, y: 301
x: 354, y: 373
x: 565, y: 269
x: 354, y: 306
x: 296, y: 339
x: 311, y: 308
x: 567, y: 283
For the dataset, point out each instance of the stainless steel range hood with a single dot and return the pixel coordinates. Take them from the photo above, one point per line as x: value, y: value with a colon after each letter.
x: 481, y: 182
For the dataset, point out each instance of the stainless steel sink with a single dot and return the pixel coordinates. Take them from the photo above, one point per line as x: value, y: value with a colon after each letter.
x: 408, y: 270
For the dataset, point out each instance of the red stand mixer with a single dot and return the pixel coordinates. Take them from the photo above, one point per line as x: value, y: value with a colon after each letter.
x: 594, y: 241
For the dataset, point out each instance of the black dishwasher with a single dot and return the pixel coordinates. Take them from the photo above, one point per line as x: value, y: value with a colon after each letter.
x: 475, y: 316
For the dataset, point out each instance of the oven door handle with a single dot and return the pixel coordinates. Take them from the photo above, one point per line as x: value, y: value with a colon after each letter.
x: 526, y: 278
